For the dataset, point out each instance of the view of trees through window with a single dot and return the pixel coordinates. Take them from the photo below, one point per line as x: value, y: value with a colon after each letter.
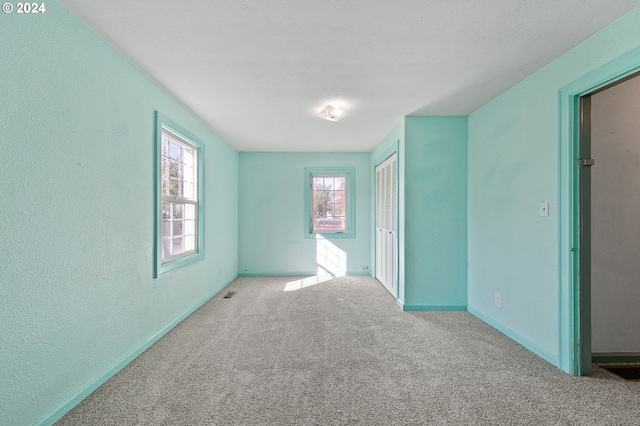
x: 329, y: 196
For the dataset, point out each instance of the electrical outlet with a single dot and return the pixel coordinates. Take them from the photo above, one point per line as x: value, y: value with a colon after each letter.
x: 498, y: 300
x: 364, y: 268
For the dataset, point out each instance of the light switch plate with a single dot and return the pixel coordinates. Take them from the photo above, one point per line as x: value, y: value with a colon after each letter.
x: 544, y: 209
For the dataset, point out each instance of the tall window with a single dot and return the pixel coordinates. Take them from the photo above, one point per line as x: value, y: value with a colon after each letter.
x: 330, y: 202
x: 179, y: 199
x: 179, y: 204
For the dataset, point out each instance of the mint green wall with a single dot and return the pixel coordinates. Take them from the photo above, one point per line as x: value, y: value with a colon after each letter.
x: 271, y: 208
x: 432, y: 228
x: 513, y: 167
x: 76, y: 189
x: 435, y: 193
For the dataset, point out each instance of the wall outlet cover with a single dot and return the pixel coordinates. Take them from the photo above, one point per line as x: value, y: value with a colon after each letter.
x: 544, y: 209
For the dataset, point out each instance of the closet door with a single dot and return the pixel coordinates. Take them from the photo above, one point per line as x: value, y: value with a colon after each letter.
x: 387, y: 223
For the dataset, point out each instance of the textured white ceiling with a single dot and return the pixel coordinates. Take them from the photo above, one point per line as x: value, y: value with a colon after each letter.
x: 257, y: 71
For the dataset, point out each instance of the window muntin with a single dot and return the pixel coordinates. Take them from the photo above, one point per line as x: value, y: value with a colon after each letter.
x: 179, y: 162
x: 329, y: 203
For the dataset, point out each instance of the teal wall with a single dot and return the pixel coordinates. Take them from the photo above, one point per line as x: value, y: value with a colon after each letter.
x: 514, y: 165
x: 435, y: 193
x: 271, y: 207
x: 76, y: 189
x: 432, y: 229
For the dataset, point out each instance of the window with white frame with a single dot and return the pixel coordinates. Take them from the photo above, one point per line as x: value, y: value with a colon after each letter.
x: 330, y: 204
x: 179, y: 198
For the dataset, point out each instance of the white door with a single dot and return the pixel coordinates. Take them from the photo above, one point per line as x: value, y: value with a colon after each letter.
x: 387, y: 223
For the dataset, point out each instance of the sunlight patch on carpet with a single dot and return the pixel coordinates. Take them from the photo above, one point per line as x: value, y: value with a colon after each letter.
x: 308, y: 281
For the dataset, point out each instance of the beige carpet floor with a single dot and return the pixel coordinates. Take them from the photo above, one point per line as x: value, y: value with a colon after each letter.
x: 341, y: 352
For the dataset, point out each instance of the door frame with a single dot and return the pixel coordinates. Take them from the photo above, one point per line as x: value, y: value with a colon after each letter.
x: 575, y: 322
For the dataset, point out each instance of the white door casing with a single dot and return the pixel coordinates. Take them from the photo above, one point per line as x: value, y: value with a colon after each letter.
x: 387, y: 223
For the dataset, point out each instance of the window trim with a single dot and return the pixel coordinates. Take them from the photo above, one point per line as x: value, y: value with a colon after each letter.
x: 350, y: 172
x: 164, y: 123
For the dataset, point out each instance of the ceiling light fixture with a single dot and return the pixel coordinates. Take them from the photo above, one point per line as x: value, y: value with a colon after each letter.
x: 331, y: 113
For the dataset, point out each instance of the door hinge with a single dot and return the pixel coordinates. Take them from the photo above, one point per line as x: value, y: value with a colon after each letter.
x: 586, y: 161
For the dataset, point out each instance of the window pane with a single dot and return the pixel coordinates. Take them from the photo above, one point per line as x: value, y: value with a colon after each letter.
x: 340, y: 183
x: 166, y: 213
x: 189, y: 211
x: 187, y: 173
x: 177, y: 247
x: 187, y: 190
x: 179, y: 188
x: 189, y: 243
x: 174, y: 168
x: 188, y: 157
x: 317, y: 200
x: 177, y: 210
x: 166, y: 247
x: 189, y: 227
x: 173, y: 187
x: 177, y: 228
x: 165, y: 146
x: 329, y: 224
x: 175, y: 151
x: 165, y: 175
x: 166, y: 228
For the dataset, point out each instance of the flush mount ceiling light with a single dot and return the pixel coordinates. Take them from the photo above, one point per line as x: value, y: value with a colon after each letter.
x: 331, y: 113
